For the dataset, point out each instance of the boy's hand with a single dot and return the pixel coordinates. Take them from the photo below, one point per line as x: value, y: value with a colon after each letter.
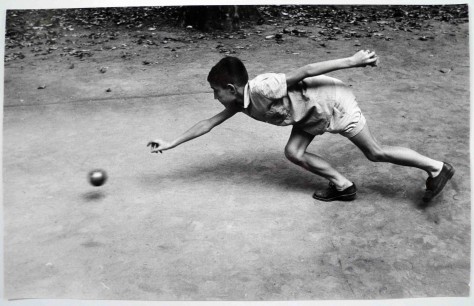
x: 158, y: 145
x: 365, y: 58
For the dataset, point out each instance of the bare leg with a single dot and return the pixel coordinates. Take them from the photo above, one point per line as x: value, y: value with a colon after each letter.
x: 295, y: 151
x: 395, y: 155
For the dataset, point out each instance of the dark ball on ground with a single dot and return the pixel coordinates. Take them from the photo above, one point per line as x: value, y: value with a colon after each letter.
x: 97, y: 177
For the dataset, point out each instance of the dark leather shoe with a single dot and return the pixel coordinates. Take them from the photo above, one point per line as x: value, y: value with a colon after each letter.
x: 332, y: 194
x: 434, y: 185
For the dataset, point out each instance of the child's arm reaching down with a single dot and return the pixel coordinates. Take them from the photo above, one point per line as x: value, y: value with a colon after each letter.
x: 199, y: 129
x: 360, y: 59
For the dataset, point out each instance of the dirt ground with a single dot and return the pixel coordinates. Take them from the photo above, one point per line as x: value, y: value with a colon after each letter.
x: 226, y: 216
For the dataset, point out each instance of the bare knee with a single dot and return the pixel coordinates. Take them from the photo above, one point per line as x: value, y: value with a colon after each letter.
x: 294, y: 154
x: 376, y: 155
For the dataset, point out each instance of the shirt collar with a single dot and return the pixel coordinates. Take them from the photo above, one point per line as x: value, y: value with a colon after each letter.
x: 246, y: 96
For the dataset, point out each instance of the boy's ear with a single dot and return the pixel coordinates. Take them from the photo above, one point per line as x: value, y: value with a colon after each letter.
x: 232, y: 88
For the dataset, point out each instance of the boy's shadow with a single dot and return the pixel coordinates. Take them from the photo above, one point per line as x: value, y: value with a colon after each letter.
x: 271, y: 169
x: 264, y: 170
x: 424, y: 206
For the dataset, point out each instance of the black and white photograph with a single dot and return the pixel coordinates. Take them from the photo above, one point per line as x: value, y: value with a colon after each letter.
x: 251, y: 152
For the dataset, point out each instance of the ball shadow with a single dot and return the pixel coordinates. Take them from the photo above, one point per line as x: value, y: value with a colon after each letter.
x: 95, y: 195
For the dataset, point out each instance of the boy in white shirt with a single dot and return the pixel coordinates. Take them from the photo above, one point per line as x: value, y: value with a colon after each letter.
x: 314, y: 104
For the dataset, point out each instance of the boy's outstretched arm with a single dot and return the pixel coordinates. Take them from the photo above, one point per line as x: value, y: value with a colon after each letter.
x: 360, y: 59
x: 199, y: 129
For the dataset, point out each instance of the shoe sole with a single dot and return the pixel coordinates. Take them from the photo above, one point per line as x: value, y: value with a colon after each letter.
x: 433, y: 194
x: 346, y: 197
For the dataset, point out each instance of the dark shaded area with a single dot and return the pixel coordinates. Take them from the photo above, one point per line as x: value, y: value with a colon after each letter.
x: 23, y: 25
x: 56, y: 32
x: 224, y: 17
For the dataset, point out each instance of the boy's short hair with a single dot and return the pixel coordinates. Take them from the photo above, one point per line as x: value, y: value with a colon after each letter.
x: 229, y: 70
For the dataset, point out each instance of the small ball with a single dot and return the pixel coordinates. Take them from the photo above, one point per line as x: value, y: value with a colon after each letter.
x: 97, y: 177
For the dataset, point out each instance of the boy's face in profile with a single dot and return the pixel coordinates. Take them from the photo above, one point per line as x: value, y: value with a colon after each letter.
x: 226, y: 96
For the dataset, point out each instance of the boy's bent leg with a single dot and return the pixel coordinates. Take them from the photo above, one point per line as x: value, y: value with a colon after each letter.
x: 295, y: 151
x: 439, y: 173
x: 395, y: 155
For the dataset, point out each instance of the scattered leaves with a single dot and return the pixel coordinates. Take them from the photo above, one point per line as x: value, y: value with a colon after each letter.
x: 75, y: 32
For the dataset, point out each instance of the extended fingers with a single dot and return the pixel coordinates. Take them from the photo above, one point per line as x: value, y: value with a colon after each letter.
x: 367, y: 58
x: 374, y: 61
x: 155, y: 146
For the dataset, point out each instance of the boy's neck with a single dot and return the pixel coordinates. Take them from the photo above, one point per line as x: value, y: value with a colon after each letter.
x: 240, y: 95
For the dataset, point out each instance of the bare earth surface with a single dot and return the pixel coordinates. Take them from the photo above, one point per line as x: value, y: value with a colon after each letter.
x: 227, y: 217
